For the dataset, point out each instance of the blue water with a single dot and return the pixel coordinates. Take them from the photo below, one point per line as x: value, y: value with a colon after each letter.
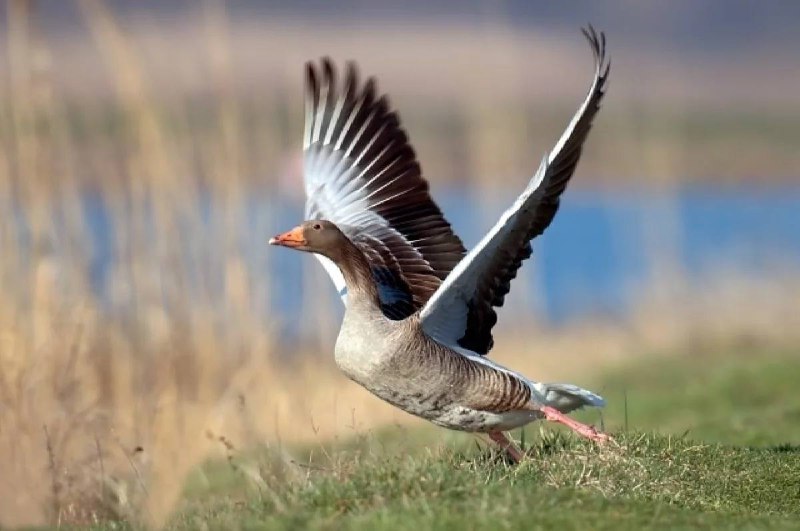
x: 597, y: 256
x: 603, y: 247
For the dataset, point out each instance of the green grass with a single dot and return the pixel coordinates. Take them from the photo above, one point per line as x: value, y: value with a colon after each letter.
x: 644, y: 480
x: 741, y: 396
x: 727, y: 456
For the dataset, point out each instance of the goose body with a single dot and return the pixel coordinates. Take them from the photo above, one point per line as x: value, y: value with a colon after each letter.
x: 448, y: 385
x: 419, y: 309
x: 411, y: 371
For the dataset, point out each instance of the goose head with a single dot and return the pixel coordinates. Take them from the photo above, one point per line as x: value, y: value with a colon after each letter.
x: 314, y: 236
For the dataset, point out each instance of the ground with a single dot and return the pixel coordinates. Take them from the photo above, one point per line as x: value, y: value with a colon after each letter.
x: 701, y: 440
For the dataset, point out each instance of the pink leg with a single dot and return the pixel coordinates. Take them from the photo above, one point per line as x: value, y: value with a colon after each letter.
x: 509, y: 446
x: 589, y: 432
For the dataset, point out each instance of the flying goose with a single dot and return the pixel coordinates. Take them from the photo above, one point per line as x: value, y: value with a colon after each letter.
x: 419, y: 307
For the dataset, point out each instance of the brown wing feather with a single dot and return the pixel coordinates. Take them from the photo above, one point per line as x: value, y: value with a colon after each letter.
x: 493, y: 288
x: 362, y: 174
x: 462, y: 310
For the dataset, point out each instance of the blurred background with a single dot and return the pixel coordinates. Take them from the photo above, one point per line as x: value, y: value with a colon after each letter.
x: 148, y: 149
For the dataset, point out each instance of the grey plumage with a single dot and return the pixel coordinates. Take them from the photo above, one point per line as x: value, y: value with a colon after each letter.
x: 419, y: 309
x: 462, y: 310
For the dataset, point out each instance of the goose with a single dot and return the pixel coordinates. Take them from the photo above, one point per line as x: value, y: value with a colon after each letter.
x: 419, y: 308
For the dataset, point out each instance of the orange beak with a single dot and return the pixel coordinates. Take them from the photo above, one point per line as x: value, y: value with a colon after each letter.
x: 293, y: 238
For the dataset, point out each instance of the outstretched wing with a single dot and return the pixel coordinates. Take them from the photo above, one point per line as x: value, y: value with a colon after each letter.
x: 362, y: 174
x: 462, y: 309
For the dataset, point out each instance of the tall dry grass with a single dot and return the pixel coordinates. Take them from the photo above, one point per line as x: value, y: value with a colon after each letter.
x: 106, y: 403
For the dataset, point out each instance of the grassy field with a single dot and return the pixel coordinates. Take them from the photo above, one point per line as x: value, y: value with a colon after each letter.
x: 642, y: 481
x: 712, y: 440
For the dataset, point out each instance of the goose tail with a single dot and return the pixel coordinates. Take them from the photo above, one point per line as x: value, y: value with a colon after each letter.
x: 568, y: 397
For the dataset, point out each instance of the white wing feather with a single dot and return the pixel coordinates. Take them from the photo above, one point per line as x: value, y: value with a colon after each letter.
x: 444, y: 316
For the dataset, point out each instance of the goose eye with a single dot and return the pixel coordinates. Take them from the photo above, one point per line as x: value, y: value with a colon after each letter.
x: 316, y: 226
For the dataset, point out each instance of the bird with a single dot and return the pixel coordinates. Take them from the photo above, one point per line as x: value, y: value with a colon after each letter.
x: 419, y: 308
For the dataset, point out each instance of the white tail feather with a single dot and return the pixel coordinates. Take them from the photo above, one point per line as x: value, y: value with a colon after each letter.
x: 568, y: 397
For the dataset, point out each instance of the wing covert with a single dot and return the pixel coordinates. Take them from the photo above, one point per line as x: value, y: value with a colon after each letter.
x: 361, y: 173
x: 462, y: 311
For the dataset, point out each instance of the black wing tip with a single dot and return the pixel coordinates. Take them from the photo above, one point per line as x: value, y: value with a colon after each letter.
x: 324, y: 71
x: 319, y: 65
x: 311, y: 75
x: 597, y: 41
x: 351, y: 75
x: 329, y: 68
